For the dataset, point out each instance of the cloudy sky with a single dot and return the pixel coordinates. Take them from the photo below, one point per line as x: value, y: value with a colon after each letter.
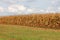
x: 16, y: 7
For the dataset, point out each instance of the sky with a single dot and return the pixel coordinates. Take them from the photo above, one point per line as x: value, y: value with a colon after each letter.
x: 18, y: 7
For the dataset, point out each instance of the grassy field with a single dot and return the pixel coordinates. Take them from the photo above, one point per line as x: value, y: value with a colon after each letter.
x: 16, y: 32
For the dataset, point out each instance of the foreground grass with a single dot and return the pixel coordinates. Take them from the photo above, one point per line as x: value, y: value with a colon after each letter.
x: 14, y: 32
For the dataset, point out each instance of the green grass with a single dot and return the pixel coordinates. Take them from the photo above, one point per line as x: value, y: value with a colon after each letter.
x: 15, y: 32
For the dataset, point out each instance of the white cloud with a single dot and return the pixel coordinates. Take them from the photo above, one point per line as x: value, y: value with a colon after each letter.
x: 22, y: 0
x: 54, y: 1
x: 30, y: 10
x: 50, y: 10
x: 41, y: 10
x: 11, y: 9
x: 21, y: 7
x: 38, y: 10
x: 58, y: 8
x: 12, y: 1
x: 1, y: 9
x: 16, y: 8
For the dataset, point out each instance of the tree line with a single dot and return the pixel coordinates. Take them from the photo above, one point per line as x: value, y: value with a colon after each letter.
x: 35, y: 20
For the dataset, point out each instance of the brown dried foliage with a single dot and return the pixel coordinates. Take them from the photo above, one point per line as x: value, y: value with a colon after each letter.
x: 35, y: 20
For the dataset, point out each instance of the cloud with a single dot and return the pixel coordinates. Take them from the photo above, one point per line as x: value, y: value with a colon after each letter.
x: 42, y: 10
x: 22, y: 0
x: 50, y: 10
x: 21, y: 7
x: 54, y: 1
x: 1, y: 9
x: 30, y: 10
x: 16, y: 8
x: 12, y: 1
x: 58, y: 8
x: 11, y: 9
x: 29, y: 6
x: 33, y: 10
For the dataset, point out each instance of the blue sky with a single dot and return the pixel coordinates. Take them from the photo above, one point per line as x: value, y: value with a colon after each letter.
x: 16, y: 7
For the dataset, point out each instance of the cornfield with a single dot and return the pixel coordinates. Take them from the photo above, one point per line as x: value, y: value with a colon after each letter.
x: 35, y: 20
